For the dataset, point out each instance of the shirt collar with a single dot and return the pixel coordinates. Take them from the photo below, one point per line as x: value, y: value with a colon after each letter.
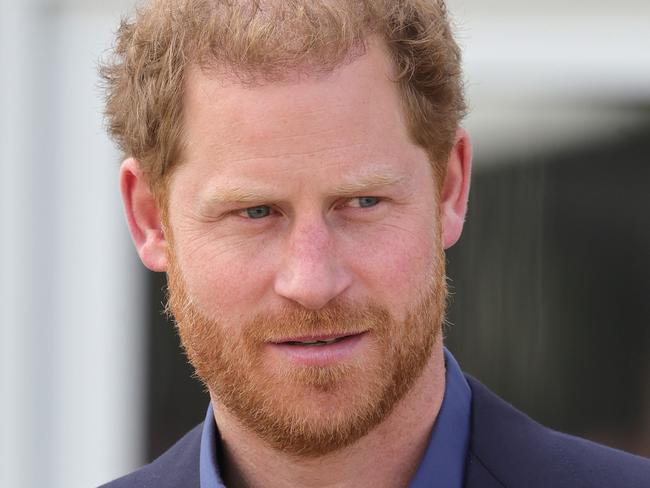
x: 208, y: 464
x: 443, y: 463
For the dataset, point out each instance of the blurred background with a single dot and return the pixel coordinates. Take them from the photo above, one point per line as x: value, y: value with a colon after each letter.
x: 551, y: 281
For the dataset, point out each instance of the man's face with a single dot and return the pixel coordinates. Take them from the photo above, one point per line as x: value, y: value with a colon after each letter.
x: 306, y: 271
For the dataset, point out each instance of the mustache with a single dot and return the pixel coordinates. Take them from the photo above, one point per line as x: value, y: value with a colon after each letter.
x: 340, y: 318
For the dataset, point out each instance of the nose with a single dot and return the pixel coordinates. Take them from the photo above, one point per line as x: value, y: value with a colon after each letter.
x: 311, y: 273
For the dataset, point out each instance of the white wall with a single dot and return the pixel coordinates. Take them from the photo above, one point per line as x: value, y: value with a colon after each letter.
x: 71, y: 327
x: 543, y: 75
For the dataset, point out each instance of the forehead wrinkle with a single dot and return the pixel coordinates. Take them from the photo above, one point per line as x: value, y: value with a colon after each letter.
x: 280, y: 154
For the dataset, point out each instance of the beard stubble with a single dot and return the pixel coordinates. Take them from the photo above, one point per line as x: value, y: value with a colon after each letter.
x: 310, y: 411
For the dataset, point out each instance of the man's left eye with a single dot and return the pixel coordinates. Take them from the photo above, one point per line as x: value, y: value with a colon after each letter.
x: 258, y: 212
x: 364, y: 202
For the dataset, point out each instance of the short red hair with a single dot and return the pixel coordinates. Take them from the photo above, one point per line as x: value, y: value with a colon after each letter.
x: 261, y: 41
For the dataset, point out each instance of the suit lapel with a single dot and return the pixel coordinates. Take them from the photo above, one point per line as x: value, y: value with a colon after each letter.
x: 478, y: 476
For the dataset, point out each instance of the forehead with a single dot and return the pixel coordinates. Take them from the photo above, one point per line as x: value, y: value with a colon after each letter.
x: 345, y: 118
x: 358, y: 83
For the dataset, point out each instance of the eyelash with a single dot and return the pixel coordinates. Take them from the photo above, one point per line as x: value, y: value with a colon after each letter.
x: 378, y: 201
x: 245, y: 211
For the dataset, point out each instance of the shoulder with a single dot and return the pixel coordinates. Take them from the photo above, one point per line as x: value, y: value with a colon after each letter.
x: 514, y: 450
x: 177, y: 467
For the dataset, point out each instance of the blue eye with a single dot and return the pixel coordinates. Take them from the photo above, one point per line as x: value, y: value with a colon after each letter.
x: 258, y: 212
x: 365, y: 202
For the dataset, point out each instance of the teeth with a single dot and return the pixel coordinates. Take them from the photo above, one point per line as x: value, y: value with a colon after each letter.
x: 315, y: 343
x: 331, y: 341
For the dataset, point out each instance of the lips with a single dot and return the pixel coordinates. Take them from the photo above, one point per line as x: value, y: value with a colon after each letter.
x: 315, y: 343
x: 319, y: 350
x: 317, y: 340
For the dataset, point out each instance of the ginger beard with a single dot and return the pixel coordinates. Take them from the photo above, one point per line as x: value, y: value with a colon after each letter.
x: 310, y: 410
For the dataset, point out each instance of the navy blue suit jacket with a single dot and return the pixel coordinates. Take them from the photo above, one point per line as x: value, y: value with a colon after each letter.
x: 507, y: 450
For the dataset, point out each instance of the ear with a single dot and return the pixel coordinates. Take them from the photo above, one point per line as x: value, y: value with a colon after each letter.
x: 143, y: 216
x: 455, y: 189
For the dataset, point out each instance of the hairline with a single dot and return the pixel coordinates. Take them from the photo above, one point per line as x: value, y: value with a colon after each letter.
x: 257, y: 76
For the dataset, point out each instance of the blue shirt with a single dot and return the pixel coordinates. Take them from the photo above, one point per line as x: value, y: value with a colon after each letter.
x: 443, y: 464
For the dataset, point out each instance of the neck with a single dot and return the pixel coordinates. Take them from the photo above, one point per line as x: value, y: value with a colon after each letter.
x: 388, y: 456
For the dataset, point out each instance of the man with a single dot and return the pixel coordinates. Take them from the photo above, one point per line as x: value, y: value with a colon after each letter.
x: 297, y: 169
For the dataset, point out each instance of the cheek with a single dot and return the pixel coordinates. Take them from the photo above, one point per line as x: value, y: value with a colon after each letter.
x: 225, y: 278
x: 395, y: 261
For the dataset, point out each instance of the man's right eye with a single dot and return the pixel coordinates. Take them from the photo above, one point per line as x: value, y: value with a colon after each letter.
x: 258, y: 212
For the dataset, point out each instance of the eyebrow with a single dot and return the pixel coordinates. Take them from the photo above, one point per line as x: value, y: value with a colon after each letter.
x: 368, y: 184
x: 236, y: 195
x: 361, y: 186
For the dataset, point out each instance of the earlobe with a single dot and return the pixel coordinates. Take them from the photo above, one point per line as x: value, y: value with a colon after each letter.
x: 455, y: 190
x: 143, y: 216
